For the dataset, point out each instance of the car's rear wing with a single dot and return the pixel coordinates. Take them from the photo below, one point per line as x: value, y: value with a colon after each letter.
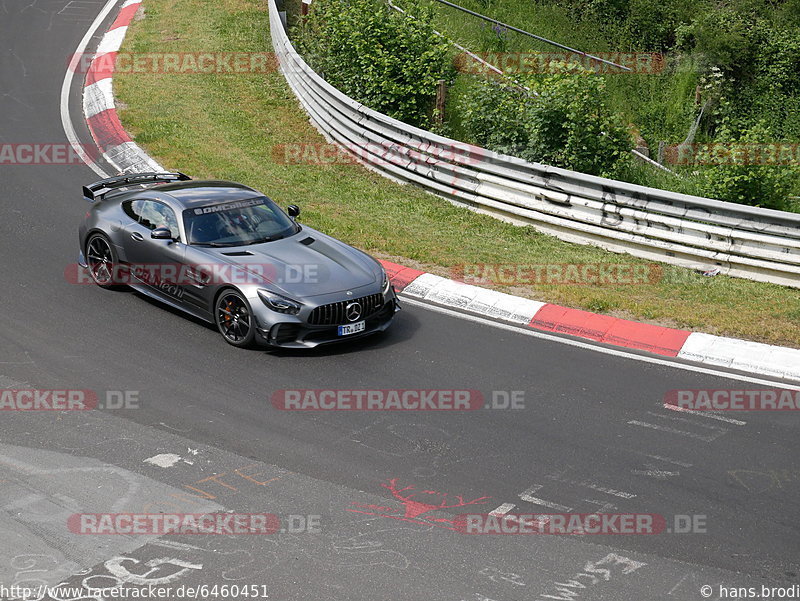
x: 96, y: 190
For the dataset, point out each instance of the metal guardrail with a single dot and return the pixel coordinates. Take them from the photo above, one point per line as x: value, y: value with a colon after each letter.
x: 699, y: 233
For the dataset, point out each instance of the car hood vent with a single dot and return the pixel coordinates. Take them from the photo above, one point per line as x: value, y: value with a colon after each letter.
x: 307, y: 241
x: 239, y: 253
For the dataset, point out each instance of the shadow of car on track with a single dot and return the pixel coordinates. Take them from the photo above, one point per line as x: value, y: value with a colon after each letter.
x: 403, y: 328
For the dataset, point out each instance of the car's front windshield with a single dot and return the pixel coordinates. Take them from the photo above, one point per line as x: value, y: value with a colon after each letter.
x: 237, y: 223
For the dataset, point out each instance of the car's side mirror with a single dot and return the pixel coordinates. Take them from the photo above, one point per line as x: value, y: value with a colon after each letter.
x: 161, y: 233
x: 293, y: 211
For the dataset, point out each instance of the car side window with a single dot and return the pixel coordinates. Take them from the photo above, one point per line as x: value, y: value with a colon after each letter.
x: 155, y: 214
x: 133, y: 208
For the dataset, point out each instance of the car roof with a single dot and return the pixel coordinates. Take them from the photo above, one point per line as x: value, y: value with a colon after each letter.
x: 198, y: 193
x: 193, y: 193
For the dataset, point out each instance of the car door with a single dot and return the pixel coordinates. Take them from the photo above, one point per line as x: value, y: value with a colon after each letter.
x: 157, y: 264
x: 205, y: 274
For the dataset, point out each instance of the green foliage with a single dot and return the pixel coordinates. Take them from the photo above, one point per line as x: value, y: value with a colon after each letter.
x: 495, y: 38
x: 386, y: 60
x: 632, y: 24
x: 650, y: 24
x: 759, y: 56
x: 744, y: 169
x: 572, y: 125
x: 737, y: 59
x: 568, y: 124
x: 725, y: 38
x: 493, y: 114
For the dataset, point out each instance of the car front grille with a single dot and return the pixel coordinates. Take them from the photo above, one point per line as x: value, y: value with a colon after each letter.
x: 336, y: 313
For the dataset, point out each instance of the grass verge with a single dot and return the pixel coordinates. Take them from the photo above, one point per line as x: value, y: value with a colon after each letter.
x: 228, y: 126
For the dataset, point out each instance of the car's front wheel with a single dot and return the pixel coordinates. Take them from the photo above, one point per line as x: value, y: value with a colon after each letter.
x: 101, y: 259
x: 234, y: 319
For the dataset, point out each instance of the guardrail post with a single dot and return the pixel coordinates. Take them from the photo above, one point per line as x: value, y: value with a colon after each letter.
x: 441, y: 99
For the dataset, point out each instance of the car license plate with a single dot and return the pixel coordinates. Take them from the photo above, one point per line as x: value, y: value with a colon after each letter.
x: 352, y: 328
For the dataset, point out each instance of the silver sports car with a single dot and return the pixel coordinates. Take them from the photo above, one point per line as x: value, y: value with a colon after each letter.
x: 229, y: 255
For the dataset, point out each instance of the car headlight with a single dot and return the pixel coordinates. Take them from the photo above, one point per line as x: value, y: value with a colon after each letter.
x: 279, y: 303
x: 386, y: 284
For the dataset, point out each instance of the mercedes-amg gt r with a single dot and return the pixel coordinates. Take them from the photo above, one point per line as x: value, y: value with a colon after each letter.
x: 229, y: 255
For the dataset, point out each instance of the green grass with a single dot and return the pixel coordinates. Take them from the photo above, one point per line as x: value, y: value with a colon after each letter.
x: 227, y: 126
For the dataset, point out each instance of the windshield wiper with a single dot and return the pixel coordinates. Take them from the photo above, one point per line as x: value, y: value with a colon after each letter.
x: 267, y: 239
x: 214, y: 244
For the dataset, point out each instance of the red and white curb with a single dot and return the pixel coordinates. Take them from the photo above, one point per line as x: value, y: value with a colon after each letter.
x: 99, y: 109
x: 754, y: 357
x: 732, y: 353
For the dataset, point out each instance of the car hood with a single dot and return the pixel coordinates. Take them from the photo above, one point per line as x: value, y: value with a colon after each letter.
x: 306, y: 264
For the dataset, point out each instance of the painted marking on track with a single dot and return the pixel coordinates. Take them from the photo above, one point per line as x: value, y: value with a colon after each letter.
x: 244, y: 472
x: 168, y: 544
x: 527, y: 495
x: 604, y: 489
x: 593, y: 574
x: 605, y: 507
x: 670, y: 430
x: 774, y: 478
x: 74, y: 6
x: 417, y: 505
x: 163, y: 460
x: 657, y: 474
x: 707, y: 414
x: 496, y: 575
x: 541, y: 520
x: 684, y: 420
x: 665, y: 459
x: 115, y: 567
x: 680, y: 582
x: 503, y: 509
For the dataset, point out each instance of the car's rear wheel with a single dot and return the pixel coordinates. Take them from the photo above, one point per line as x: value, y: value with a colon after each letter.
x: 101, y: 259
x: 234, y: 319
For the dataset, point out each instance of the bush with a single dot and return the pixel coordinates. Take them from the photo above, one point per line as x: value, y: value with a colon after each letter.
x: 724, y: 38
x: 745, y: 173
x: 650, y: 25
x: 569, y: 123
x: 492, y: 115
x: 389, y: 61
